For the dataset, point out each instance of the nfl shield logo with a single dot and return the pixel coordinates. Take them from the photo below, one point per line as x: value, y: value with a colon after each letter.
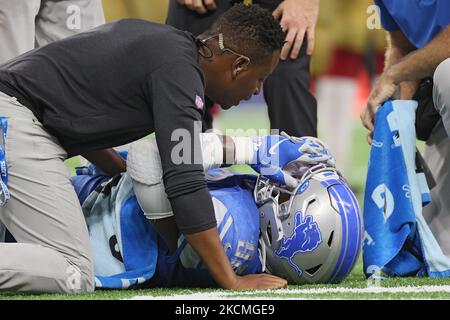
x: 199, y: 102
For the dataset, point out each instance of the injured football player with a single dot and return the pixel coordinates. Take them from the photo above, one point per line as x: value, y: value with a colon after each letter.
x: 310, y: 233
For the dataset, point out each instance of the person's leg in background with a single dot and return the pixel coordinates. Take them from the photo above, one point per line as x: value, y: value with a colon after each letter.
x: 17, y: 27
x: 52, y: 253
x: 441, y: 93
x: 437, y: 158
x: 180, y: 17
x: 59, y: 19
x: 291, y: 105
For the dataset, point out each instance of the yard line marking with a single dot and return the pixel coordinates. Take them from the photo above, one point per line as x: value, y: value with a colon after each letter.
x: 240, y: 295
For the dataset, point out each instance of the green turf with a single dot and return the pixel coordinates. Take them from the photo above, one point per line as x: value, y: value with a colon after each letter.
x: 356, y: 175
x: 72, y: 163
x: 355, y: 280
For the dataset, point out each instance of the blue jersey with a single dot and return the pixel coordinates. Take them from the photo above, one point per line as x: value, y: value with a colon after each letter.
x: 419, y: 20
x: 123, y: 241
x: 127, y: 251
x: 238, y: 226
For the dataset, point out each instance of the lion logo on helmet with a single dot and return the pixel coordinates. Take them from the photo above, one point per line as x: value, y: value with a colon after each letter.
x: 305, y: 238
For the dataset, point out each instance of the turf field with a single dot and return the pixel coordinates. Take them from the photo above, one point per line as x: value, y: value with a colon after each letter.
x: 354, y: 287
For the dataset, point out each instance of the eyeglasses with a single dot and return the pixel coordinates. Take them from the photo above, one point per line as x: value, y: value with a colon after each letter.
x: 221, y: 47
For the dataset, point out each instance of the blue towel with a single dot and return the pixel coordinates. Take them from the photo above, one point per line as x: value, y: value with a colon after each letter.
x: 397, y: 239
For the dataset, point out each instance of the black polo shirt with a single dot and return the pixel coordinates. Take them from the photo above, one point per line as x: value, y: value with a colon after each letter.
x: 116, y: 84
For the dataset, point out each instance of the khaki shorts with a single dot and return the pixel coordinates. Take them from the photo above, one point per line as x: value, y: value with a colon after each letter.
x: 52, y: 253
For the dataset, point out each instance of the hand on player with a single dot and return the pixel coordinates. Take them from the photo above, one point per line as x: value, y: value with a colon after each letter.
x: 276, y: 152
x: 200, y: 6
x: 261, y: 281
x: 297, y: 17
x: 384, y: 89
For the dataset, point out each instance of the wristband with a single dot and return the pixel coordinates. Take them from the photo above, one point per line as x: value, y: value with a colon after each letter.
x: 245, y: 150
x: 212, y: 150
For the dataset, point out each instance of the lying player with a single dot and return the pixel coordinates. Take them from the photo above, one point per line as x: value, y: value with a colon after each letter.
x: 311, y: 234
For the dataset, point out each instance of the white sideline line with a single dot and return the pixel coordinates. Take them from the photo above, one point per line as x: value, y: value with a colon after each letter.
x: 251, y: 294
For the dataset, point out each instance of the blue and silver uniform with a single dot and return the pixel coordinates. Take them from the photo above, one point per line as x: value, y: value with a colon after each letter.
x: 238, y: 226
x: 127, y: 251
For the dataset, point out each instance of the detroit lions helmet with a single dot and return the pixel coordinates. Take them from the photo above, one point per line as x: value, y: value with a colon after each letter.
x: 312, y: 234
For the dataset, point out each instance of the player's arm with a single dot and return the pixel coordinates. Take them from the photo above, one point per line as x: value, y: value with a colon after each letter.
x: 415, y: 66
x: 272, y: 155
x: 108, y: 160
x: 422, y: 62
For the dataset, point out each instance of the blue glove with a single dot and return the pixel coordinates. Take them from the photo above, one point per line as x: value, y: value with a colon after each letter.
x: 278, y: 151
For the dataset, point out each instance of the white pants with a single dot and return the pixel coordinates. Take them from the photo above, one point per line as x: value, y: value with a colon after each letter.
x: 26, y: 24
x: 437, y: 157
x: 53, y: 252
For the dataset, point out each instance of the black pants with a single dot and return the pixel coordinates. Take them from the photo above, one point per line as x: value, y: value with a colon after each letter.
x: 292, y: 107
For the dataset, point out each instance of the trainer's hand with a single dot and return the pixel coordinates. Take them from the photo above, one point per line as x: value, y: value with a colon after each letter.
x: 383, y: 90
x: 200, y: 6
x: 261, y: 281
x: 297, y: 17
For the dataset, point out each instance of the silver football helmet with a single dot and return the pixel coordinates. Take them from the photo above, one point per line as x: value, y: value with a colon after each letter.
x: 312, y: 234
